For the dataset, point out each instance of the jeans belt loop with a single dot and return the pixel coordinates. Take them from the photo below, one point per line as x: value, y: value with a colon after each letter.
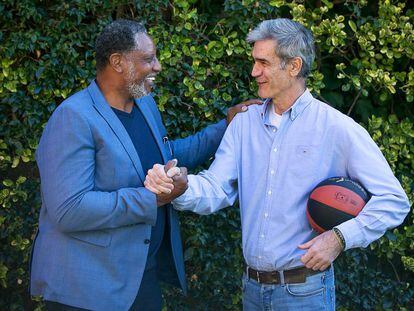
x: 248, y: 274
x: 281, y: 277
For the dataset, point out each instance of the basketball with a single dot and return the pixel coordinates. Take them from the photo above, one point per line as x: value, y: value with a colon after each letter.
x: 334, y: 201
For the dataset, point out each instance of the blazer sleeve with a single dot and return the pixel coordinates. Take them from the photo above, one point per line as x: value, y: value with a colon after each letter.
x: 196, y: 149
x: 66, y: 161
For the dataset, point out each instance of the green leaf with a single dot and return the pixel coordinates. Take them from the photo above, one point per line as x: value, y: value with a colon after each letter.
x: 8, y: 183
x: 187, y: 26
x: 352, y: 25
x: 21, y: 180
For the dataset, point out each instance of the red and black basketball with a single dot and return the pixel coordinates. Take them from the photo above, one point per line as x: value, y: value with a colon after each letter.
x: 334, y: 201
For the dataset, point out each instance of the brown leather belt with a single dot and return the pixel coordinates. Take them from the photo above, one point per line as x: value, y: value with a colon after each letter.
x: 296, y: 275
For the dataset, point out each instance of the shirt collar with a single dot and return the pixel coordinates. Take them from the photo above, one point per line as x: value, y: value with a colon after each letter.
x: 296, y: 109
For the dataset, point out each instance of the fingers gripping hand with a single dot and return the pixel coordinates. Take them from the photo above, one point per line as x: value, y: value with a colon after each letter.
x: 174, y: 171
x: 171, y: 168
x: 321, y: 251
x: 180, y: 186
x: 181, y: 180
x: 157, y: 179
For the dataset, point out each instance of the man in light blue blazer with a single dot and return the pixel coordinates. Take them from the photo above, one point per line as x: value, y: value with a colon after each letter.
x: 104, y: 241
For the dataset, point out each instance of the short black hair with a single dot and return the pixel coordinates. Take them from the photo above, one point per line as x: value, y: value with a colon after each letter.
x: 117, y: 37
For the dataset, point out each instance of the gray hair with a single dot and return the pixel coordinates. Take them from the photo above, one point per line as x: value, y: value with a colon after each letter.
x: 292, y: 40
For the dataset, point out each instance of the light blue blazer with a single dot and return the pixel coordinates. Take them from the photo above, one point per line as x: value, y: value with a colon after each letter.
x: 90, y: 250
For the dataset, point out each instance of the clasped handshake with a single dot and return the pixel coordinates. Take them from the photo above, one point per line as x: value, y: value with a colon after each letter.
x: 166, y: 181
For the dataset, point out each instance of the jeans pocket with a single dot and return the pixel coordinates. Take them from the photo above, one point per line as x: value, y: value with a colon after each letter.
x: 312, y: 287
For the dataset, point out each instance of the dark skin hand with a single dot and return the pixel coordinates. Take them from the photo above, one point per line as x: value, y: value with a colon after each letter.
x: 180, y: 183
x: 242, y: 107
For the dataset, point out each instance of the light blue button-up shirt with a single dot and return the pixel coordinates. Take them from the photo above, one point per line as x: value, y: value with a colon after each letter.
x: 272, y: 171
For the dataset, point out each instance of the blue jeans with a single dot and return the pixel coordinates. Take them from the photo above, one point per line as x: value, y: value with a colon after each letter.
x: 317, y: 293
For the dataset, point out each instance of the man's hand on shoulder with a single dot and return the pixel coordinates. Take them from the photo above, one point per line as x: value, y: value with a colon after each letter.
x: 321, y: 251
x: 242, y: 107
x: 167, y: 182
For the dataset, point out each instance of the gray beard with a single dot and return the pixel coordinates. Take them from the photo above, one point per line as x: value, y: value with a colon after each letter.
x: 136, y: 90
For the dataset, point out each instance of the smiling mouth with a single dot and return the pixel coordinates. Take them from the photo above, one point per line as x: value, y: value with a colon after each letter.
x: 149, y: 83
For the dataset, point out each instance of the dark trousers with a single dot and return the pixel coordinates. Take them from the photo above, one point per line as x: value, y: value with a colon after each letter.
x: 56, y: 306
x: 149, y: 296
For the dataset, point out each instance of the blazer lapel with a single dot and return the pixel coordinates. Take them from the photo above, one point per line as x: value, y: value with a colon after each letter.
x: 115, y: 124
x: 152, y: 123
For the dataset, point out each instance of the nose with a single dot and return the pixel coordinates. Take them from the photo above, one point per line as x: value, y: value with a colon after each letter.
x: 256, y: 71
x: 157, y: 66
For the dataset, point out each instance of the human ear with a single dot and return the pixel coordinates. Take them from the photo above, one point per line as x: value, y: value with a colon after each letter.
x: 295, y: 65
x: 115, y: 61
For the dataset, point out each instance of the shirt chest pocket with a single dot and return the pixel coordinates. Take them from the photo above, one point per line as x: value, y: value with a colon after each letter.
x: 303, y: 162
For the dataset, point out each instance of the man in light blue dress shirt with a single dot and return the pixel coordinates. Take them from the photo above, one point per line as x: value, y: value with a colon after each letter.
x: 271, y: 158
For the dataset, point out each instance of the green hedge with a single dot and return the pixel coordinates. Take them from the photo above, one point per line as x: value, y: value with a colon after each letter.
x: 364, y: 67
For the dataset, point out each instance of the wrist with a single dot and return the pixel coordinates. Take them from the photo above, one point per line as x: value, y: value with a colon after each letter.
x: 161, y: 201
x: 340, y: 238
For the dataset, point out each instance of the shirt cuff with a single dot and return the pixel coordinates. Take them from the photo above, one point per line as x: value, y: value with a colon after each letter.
x: 352, y: 233
x: 179, y: 202
x: 186, y: 200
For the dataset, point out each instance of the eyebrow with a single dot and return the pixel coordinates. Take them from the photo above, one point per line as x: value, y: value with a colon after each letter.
x: 264, y: 60
x: 146, y: 55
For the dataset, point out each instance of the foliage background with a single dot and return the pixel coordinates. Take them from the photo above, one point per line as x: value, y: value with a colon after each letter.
x: 364, y: 68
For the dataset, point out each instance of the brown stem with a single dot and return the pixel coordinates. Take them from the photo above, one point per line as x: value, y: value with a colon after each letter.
x: 395, y: 270
x: 354, y: 102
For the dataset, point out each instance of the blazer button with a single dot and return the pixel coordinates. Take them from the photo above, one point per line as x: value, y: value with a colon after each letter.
x: 147, y: 241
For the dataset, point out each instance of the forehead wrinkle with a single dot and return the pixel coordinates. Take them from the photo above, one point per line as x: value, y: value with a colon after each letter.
x: 265, y: 48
